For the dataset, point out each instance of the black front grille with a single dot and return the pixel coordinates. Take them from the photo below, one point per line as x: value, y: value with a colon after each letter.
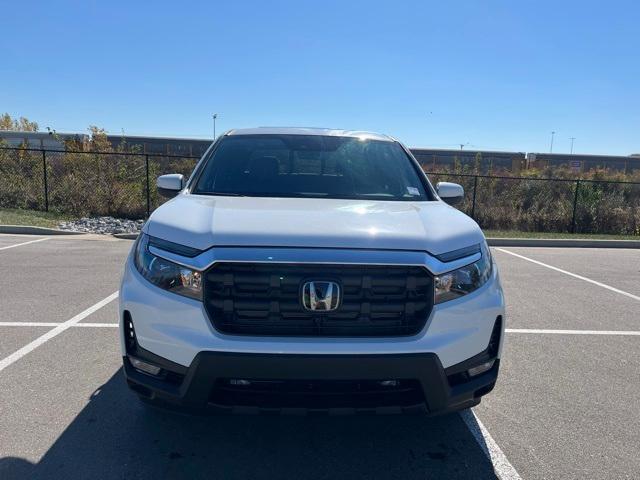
x: 265, y: 299
x: 319, y: 394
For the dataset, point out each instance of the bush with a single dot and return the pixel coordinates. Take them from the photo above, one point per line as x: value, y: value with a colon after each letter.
x: 21, y: 179
x: 533, y: 203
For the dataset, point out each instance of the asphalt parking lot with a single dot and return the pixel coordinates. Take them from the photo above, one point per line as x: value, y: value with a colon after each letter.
x: 566, y: 403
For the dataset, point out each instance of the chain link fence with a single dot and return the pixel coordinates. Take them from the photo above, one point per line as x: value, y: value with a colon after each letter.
x: 78, y: 183
x: 22, y: 183
x: 532, y: 204
x: 122, y: 185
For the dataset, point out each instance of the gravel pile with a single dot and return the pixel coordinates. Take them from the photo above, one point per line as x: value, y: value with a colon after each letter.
x: 103, y: 225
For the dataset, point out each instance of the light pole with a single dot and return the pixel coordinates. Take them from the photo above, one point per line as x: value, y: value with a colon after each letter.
x: 572, y: 139
x: 551, y: 148
x: 215, y: 115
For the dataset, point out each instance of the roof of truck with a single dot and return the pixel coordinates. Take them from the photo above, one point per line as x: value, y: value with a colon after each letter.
x: 311, y: 131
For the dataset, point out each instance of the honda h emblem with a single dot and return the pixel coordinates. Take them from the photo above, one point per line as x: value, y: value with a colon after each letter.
x: 321, y: 296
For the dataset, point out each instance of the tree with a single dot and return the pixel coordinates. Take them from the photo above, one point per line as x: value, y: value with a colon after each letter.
x: 21, y: 124
x: 99, y: 141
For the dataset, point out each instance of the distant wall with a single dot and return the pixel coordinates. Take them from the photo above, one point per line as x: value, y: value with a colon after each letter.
x: 483, y: 161
x: 583, y: 163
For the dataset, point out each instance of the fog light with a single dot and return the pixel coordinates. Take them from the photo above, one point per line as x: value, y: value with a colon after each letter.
x: 483, y: 367
x: 240, y: 383
x: 144, y: 366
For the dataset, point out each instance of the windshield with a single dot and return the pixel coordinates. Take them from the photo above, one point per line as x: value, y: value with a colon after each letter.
x: 311, y: 166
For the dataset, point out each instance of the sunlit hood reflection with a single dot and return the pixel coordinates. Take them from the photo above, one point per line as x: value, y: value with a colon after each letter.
x: 203, y: 222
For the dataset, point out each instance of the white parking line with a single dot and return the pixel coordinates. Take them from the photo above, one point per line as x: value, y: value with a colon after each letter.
x: 55, y: 324
x: 4, y: 363
x: 24, y: 243
x: 97, y: 325
x: 30, y: 324
x: 501, y: 465
x: 580, y: 277
x: 572, y: 332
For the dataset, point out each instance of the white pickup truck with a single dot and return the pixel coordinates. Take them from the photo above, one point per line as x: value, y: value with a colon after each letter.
x: 310, y: 269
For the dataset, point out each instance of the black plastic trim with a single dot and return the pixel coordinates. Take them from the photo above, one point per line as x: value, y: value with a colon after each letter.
x: 168, y: 192
x: 462, y: 367
x: 162, y: 362
x: 194, y: 392
x: 172, y: 247
x: 458, y: 374
x: 458, y: 254
x: 487, y: 354
x: 303, y: 323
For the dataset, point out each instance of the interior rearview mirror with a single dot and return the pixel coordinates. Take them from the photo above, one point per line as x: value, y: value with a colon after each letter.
x: 452, y: 193
x: 170, y: 185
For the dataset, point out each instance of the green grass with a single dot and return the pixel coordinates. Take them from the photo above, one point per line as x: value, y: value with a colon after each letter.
x: 9, y: 216
x: 590, y: 236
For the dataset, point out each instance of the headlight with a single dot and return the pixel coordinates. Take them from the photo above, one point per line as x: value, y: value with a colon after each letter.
x: 165, y: 274
x: 455, y: 284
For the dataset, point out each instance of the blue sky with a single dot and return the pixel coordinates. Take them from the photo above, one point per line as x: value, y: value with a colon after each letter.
x: 493, y: 74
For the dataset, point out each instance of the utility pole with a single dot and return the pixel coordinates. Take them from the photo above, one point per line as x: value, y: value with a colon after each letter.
x: 551, y: 148
x: 215, y: 116
x: 572, y: 139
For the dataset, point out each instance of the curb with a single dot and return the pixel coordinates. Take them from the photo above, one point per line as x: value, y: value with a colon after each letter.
x: 29, y: 230
x: 562, y: 242
x: 125, y: 236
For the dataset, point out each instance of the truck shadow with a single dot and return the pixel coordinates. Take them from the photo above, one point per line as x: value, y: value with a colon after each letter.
x: 115, y: 436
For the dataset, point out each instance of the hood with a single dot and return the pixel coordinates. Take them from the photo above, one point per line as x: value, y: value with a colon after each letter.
x: 202, y: 222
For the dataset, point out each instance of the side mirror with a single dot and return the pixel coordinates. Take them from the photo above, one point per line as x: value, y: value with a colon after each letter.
x: 170, y: 185
x: 452, y: 193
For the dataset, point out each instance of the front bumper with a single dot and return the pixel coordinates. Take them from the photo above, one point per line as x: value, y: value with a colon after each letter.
x: 198, y: 388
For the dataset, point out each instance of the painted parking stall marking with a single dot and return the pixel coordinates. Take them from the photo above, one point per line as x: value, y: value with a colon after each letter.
x: 24, y: 243
x: 503, y: 468
x: 580, y: 277
x: 30, y: 324
x: 4, y: 363
x: 544, y: 331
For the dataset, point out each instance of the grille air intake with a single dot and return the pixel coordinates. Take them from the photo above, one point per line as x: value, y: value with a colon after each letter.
x: 265, y: 299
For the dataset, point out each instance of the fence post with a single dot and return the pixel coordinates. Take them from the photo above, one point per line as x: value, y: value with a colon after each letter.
x: 473, y: 203
x: 46, y: 183
x: 146, y: 168
x: 575, y: 204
